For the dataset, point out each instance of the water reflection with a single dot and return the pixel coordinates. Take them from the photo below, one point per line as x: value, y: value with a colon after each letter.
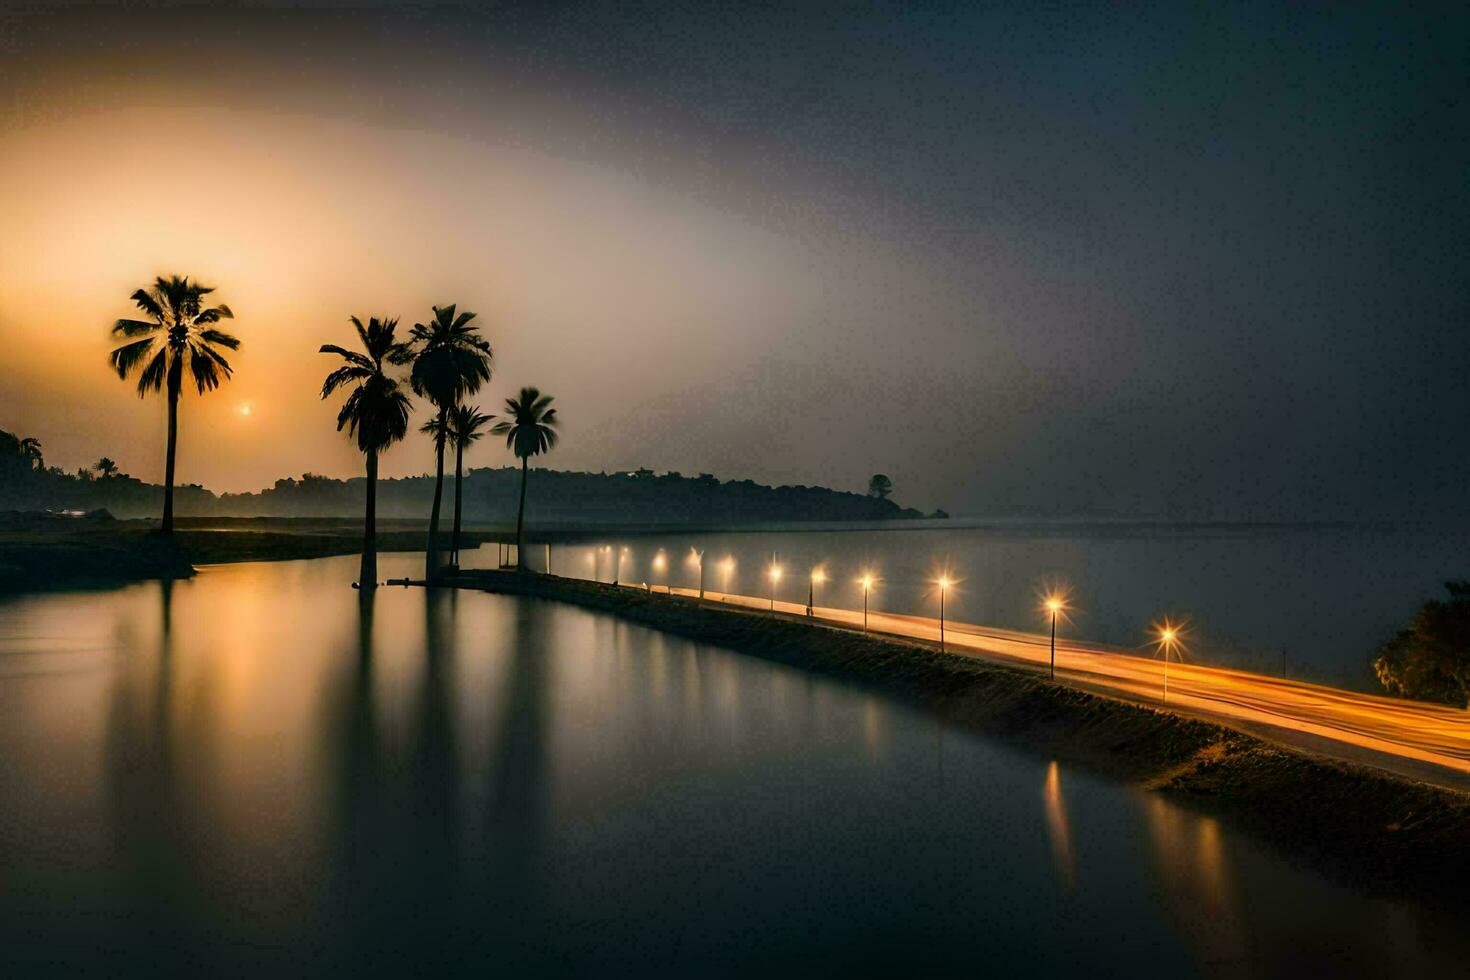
x: 260, y: 771
x: 1059, y: 831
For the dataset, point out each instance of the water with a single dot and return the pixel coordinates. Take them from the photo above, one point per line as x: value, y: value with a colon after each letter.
x: 235, y: 775
x: 1318, y: 599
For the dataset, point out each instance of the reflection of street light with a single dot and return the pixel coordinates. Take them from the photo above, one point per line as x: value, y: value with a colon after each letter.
x: 944, y: 583
x: 775, y: 577
x: 818, y: 577
x: 867, y: 581
x: 1054, y: 603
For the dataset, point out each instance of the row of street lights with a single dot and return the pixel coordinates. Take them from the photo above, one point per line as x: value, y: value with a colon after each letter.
x: 1168, y: 635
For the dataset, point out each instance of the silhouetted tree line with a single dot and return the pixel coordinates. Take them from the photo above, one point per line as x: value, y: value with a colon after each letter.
x: 490, y: 495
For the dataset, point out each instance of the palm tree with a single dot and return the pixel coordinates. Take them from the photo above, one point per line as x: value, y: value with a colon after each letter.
x: 30, y: 448
x: 179, y: 337
x: 375, y: 412
x: 880, y: 486
x: 465, y: 423
x: 529, y: 431
x: 105, y: 467
x: 450, y: 360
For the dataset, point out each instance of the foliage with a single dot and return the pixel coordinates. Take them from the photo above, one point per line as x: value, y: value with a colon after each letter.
x: 1430, y: 660
x: 531, y: 428
x: 179, y: 337
x: 376, y: 410
x: 880, y: 486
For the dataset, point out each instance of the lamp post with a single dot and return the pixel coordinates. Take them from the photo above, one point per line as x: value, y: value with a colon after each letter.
x: 818, y: 577
x: 944, y: 584
x: 697, y: 557
x: 867, y: 581
x: 1167, y: 642
x: 1054, y: 605
x: 775, y: 577
x: 727, y: 566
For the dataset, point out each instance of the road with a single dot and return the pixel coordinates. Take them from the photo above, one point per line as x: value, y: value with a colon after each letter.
x: 1422, y: 741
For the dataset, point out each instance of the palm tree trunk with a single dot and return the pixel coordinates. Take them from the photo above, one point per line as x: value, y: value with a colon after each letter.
x: 458, y: 478
x: 367, y: 576
x: 521, y: 520
x: 431, y: 555
x: 168, y: 467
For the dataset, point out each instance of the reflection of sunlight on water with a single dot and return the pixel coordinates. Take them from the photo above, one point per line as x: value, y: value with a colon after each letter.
x: 1059, y: 830
x: 1190, y: 859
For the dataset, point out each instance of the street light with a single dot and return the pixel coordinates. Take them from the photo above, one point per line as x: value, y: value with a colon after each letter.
x: 659, y: 564
x: 867, y: 583
x: 818, y: 577
x: 775, y: 577
x: 697, y: 557
x: 944, y: 583
x: 1055, y: 603
x: 1168, y: 642
x: 727, y: 566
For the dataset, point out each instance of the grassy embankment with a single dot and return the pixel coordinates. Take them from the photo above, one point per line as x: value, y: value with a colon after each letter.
x: 39, y: 554
x: 1389, y: 834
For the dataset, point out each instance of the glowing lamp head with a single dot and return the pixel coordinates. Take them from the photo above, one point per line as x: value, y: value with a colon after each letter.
x: 943, y: 582
x: 775, y: 573
x: 1054, y: 604
x: 818, y: 576
x: 1167, y: 635
x: 867, y: 581
x: 729, y: 564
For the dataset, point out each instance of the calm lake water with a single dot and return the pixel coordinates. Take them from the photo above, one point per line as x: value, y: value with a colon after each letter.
x: 238, y: 774
x: 1324, y: 596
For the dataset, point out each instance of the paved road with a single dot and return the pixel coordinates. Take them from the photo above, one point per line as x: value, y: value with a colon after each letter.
x: 1422, y: 741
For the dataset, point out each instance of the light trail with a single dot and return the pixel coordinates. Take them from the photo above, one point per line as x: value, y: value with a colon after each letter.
x: 1380, y: 731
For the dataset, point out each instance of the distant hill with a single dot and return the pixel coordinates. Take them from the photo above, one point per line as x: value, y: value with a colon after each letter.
x: 490, y: 496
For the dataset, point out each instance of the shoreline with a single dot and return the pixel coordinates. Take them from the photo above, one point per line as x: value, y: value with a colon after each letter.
x: 1385, y: 833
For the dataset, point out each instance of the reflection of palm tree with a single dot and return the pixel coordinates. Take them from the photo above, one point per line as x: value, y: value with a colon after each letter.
x: 530, y: 431
x: 105, y: 467
x: 450, y: 360
x: 376, y: 412
x: 179, y: 336
x: 30, y: 448
x: 465, y: 423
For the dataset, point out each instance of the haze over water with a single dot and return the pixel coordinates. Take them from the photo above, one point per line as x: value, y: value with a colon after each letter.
x: 234, y: 771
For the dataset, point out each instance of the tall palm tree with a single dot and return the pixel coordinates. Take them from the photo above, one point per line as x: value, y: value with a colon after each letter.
x: 375, y: 412
x: 179, y: 337
x: 450, y: 360
x: 30, y: 448
x: 105, y: 467
x: 465, y: 423
x: 529, y: 431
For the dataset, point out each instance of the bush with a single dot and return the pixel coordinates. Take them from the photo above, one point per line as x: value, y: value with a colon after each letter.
x: 1430, y: 661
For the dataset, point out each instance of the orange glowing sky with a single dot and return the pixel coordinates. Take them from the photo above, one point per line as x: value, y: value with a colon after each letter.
x: 1023, y: 262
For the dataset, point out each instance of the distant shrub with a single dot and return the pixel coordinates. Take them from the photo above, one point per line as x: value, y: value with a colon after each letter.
x: 1430, y: 660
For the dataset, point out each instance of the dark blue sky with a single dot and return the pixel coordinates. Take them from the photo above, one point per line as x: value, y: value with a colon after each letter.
x: 1198, y: 260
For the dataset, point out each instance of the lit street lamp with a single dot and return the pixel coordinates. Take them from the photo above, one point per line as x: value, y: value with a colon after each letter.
x: 697, y: 557
x: 944, y: 583
x: 727, y: 566
x: 775, y: 577
x: 818, y: 577
x: 1055, y: 603
x: 867, y: 581
x: 1168, y: 642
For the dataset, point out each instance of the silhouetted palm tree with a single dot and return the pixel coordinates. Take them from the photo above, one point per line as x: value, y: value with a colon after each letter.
x: 465, y: 423
x: 375, y: 412
x: 105, y: 467
x: 450, y: 360
x: 180, y: 337
x: 30, y: 448
x: 880, y: 486
x: 529, y: 431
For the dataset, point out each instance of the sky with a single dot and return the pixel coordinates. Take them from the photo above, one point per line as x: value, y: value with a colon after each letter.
x: 1195, y: 261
